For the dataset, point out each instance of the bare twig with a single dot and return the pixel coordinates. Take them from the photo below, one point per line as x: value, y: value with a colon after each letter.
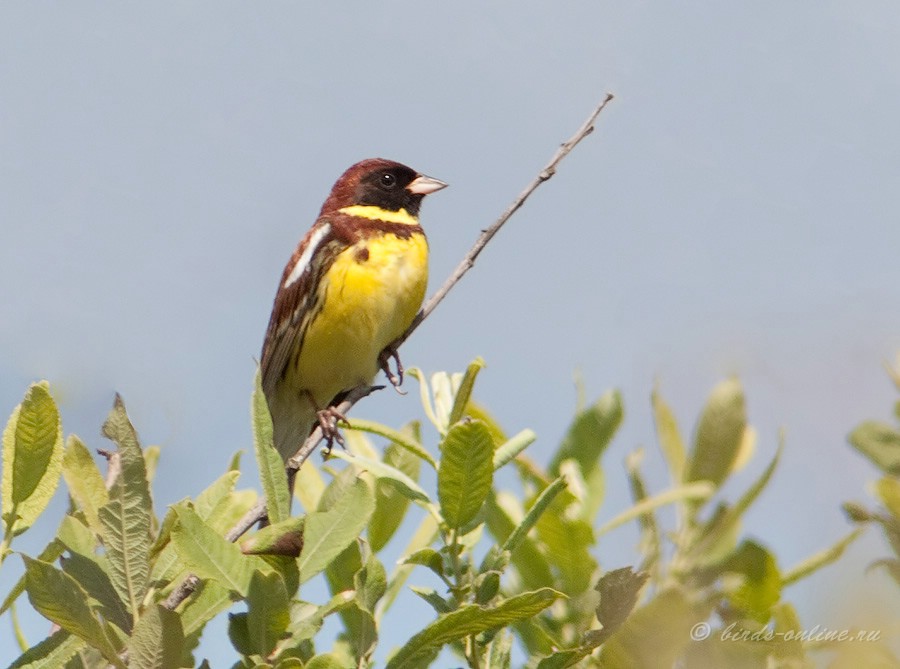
x: 258, y: 511
x: 486, y: 235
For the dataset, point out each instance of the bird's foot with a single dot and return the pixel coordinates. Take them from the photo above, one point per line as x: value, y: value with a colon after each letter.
x: 328, y: 421
x: 384, y: 361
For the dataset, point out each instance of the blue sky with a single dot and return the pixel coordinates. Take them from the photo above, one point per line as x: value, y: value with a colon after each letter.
x: 735, y: 213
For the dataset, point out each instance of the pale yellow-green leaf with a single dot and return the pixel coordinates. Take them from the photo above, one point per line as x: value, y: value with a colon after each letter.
x: 719, y: 434
x: 465, y: 473
x: 84, y: 480
x: 32, y: 458
x: 590, y: 433
x: 654, y: 635
x: 328, y: 533
x: 469, y: 620
x: 59, y: 598
x: 669, y: 436
x: 888, y: 490
x: 821, y: 559
x: 424, y: 535
x: 390, y: 504
x: 208, y: 601
x: 464, y: 391
x: 157, y: 641
x: 400, y: 438
x: 51, y: 653
x: 126, y: 518
x: 509, y: 449
x: 699, y: 491
x: 213, y: 494
x: 210, y: 556
x: 746, y: 450
x: 77, y: 537
x: 268, y: 612
x: 381, y: 470
x: 268, y: 460
x: 308, y: 487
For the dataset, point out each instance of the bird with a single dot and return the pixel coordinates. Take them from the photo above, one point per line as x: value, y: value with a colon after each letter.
x: 351, y: 288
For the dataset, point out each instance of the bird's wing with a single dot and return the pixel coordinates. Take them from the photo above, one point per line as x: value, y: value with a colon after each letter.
x: 298, y: 299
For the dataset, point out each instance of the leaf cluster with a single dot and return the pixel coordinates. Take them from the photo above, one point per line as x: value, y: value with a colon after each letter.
x: 497, y: 565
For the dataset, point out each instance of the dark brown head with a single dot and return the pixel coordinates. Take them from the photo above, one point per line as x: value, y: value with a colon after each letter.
x: 377, y: 182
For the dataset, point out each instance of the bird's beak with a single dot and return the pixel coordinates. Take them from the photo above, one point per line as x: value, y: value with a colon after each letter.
x: 423, y: 185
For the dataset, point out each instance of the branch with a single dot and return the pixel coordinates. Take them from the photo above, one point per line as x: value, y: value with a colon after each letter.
x: 258, y: 511
x: 486, y: 235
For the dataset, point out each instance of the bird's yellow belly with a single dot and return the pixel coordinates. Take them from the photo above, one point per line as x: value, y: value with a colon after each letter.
x: 368, y: 298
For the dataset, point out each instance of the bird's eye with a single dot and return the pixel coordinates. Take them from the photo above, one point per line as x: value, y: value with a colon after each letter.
x: 388, y: 180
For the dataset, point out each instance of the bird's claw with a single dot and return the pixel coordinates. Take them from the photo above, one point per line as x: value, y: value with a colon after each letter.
x: 385, y: 362
x: 328, y: 421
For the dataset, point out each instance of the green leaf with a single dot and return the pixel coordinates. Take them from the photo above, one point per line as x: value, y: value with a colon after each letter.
x: 569, y: 542
x: 53, y: 652
x: 59, y: 598
x: 91, y: 576
x: 32, y: 457
x: 467, y: 620
x: 761, y: 586
x: 390, y: 502
x: 669, y: 436
x: 619, y: 591
x: 424, y: 536
x: 466, y: 471
x: 158, y: 640
x: 212, y: 496
x: 50, y: 553
x: 328, y: 533
x: 564, y: 658
x: 76, y: 536
x: 239, y: 634
x: 821, y: 559
x: 880, y: 443
x: 427, y: 557
x: 540, y: 505
x: 654, y: 635
x: 125, y: 519
x: 370, y: 584
x: 208, y: 601
x: 210, y: 556
x: 700, y: 490
x: 590, y: 434
x: 531, y: 564
x: 84, y: 480
x: 400, y: 438
x: 464, y: 392
x: 499, y: 650
x: 718, y: 535
x: 326, y: 661
x: 306, y: 620
x: 270, y: 462
x: 438, y: 603
x: 268, y: 613
x: 507, y: 451
x: 383, y: 471
x: 284, y: 538
x: 888, y: 491
x: 720, y: 432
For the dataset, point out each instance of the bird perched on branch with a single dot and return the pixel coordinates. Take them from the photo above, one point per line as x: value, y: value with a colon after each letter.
x: 351, y: 288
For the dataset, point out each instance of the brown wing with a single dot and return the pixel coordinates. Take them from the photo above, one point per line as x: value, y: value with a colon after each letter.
x: 297, y: 299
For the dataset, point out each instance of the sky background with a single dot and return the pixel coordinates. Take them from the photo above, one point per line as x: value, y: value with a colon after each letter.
x: 736, y: 212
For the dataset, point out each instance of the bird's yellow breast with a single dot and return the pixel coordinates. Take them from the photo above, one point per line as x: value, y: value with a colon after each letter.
x: 368, y: 297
